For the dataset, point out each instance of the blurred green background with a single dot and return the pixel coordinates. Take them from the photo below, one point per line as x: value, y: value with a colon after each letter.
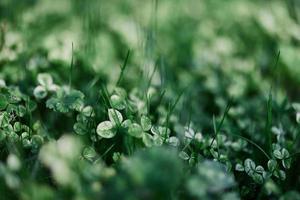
x: 217, y: 49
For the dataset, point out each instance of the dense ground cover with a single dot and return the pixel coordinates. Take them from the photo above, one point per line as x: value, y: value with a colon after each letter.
x: 152, y: 99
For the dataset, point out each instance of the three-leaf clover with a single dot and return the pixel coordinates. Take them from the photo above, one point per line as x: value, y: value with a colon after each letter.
x: 66, y: 100
x: 284, y: 156
x: 45, y: 85
x: 257, y: 173
x: 108, y: 129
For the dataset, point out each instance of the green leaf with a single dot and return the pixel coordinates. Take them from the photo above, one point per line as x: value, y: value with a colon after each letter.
x: 161, y: 130
x: 115, y: 116
x: 126, y: 124
x: 135, y: 130
x: 37, y: 140
x: 259, y: 169
x: 17, y: 126
x: 277, y: 154
x: 158, y: 140
x: 239, y: 167
x: 298, y: 117
x: 45, y: 80
x: 285, y: 153
x: 286, y: 163
x: 146, y: 123
x: 173, y: 141
x: 80, y: 128
x: 40, y: 92
x: 89, y: 153
x: 272, y: 165
x: 183, y: 155
x: 106, y: 129
x: 282, y: 175
x: 4, y: 119
x: 249, y: 165
x: 21, y: 111
x: 88, y: 111
x: 258, y: 178
x: 147, y: 139
x: 2, y: 136
x: 3, y: 102
x: 24, y: 135
x: 31, y: 105
x: 65, y: 101
x: 117, y: 102
x: 12, y: 137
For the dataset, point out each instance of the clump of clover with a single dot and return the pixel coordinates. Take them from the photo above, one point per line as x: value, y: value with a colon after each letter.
x: 259, y: 174
x: 45, y: 86
x: 13, y: 128
x: 66, y: 100
x: 150, y: 135
x: 190, y: 137
x: 140, y: 128
x: 84, y: 121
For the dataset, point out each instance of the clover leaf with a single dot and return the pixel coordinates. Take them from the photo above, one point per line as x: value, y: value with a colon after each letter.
x: 3, y: 102
x: 117, y: 102
x: 147, y: 140
x: 45, y: 79
x: 65, y: 101
x: 272, y: 164
x: 239, y: 167
x: 135, y: 130
x: 115, y: 116
x: 89, y: 153
x: 106, y: 129
x: 146, y: 123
